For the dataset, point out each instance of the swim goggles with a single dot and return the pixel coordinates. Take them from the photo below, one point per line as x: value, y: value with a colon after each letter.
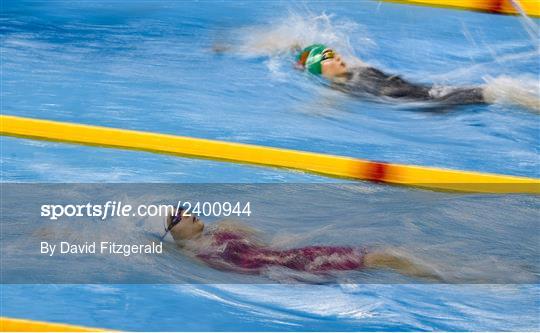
x: 328, y: 54
x: 176, y: 219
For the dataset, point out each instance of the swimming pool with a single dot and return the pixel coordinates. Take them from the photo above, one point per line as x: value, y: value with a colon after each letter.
x: 151, y: 66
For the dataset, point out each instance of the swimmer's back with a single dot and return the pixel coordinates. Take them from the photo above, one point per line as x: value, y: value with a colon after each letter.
x: 369, y: 80
x: 235, y: 251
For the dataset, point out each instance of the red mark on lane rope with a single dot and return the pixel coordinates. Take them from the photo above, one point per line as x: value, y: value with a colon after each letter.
x: 496, y: 6
x: 377, y: 171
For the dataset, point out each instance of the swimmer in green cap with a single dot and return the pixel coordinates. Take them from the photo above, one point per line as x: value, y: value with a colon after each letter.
x: 319, y: 59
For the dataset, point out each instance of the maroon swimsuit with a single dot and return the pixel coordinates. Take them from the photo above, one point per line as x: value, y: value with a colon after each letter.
x: 235, y: 251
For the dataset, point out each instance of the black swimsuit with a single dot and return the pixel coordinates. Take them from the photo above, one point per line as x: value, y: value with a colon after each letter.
x: 370, y: 81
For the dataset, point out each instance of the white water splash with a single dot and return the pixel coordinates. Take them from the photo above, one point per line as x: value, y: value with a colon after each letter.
x: 291, y: 33
x: 520, y: 91
x: 528, y: 24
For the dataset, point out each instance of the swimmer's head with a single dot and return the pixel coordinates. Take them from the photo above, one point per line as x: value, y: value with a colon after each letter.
x: 319, y: 59
x: 310, y: 58
x: 184, y: 226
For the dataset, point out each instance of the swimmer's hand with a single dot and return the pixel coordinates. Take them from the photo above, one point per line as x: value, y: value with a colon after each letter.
x: 221, y: 47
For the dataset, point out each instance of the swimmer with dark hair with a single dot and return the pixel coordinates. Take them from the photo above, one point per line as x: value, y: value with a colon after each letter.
x: 232, y: 247
x: 318, y: 59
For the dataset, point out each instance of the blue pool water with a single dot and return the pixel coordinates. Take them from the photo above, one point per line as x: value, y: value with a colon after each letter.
x: 151, y: 66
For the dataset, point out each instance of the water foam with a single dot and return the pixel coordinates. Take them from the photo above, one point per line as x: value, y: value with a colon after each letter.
x: 520, y: 91
x: 297, y: 30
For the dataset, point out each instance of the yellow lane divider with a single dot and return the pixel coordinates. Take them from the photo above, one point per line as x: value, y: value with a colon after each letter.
x: 329, y: 165
x: 24, y: 325
x: 530, y: 7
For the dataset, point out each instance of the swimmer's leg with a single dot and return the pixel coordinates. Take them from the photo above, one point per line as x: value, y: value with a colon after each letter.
x: 460, y: 96
x: 400, y: 264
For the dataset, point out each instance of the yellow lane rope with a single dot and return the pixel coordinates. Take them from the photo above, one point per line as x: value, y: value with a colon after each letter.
x: 24, y: 325
x: 329, y: 165
x: 530, y: 7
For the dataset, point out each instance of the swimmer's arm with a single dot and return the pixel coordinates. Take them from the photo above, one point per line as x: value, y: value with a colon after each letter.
x: 400, y: 264
x: 223, y: 47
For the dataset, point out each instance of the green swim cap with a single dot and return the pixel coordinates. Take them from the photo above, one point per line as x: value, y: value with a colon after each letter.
x: 310, y: 58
